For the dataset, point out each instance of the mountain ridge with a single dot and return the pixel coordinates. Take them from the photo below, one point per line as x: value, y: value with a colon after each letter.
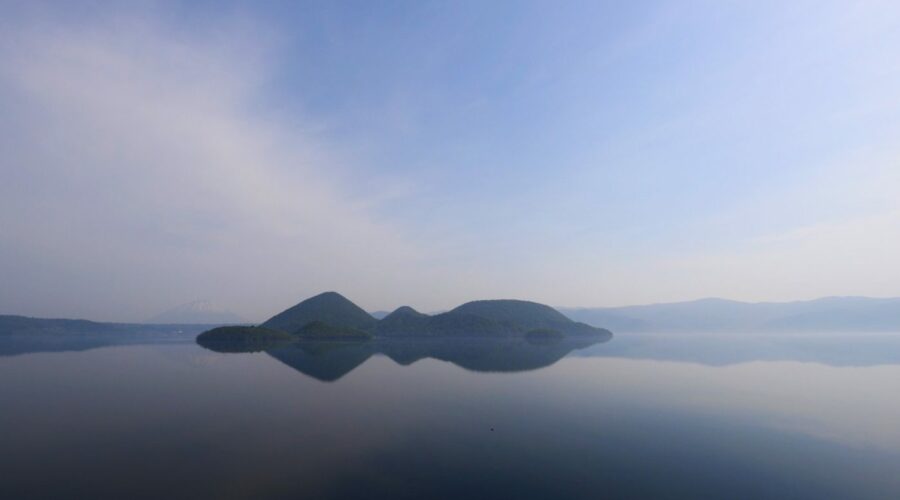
x: 828, y: 314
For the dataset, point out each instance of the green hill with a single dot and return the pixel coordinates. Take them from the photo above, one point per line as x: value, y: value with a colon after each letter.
x: 485, y: 318
x: 469, y: 325
x: 521, y: 316
x: 330, y: 308
x: 403, y: 321
x: 522, y: 313
x: 317, y: 330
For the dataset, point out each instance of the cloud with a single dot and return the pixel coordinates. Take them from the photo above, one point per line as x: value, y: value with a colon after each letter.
x: 148, y: 161
x: 140, y: 170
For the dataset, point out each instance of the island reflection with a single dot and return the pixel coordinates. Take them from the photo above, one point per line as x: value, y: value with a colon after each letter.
x: 328, y: 361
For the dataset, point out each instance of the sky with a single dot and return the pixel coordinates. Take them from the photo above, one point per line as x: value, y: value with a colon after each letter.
x: 429, y: 153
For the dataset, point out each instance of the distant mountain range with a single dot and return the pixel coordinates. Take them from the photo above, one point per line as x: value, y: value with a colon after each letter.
x: 22, y: 335
x: 197, y: 312
x: 24, y: 325
x: 831, y: 314
x: 379, y: 314
x: 333, y: 312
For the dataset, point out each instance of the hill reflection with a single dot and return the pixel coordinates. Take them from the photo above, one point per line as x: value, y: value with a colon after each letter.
x: 329, y: 361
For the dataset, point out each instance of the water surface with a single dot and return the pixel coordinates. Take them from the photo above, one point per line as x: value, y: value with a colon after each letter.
x: 640, y: 416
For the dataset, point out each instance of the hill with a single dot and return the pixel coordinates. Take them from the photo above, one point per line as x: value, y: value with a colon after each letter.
x: 330, y: 308
x: 519, y: 312
x: 403, y: 321
x: 491, y: 318
x: 522, y: 316
x: 319, y: 330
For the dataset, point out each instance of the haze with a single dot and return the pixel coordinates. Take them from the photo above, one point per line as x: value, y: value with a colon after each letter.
x: 577, y: 154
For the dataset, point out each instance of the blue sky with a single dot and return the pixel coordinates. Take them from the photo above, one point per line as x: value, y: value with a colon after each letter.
x: 574, y: 153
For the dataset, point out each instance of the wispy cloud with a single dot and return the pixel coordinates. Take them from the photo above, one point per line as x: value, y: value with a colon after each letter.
x: 445, y: 154
x: 139, y: 171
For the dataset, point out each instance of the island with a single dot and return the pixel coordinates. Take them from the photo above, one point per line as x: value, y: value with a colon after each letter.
x: 331, y: 316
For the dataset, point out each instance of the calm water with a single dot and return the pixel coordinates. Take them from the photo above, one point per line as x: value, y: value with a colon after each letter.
x: 645, y: 416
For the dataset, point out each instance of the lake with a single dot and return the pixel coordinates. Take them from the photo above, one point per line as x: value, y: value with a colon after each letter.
x: 640, y: 416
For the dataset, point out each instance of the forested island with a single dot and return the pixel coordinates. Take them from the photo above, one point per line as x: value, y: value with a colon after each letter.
x: 331, y: 316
